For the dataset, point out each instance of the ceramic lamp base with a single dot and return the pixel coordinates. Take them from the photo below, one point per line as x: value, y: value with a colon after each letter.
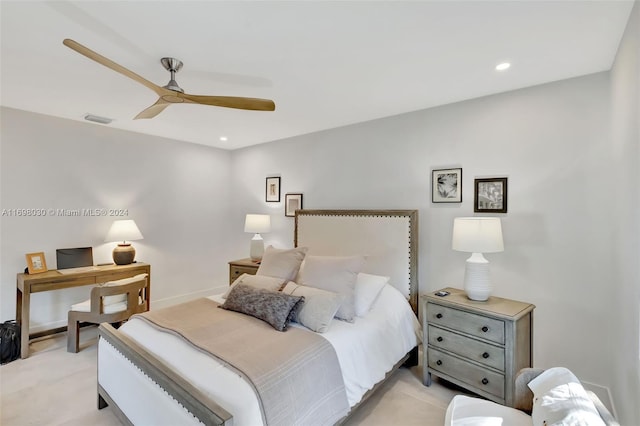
x: 477, y: 283
x: 124, y: 254
x: 257, y: 248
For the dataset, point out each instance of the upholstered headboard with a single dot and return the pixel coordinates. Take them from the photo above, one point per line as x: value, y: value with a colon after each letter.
x: 388, y: 239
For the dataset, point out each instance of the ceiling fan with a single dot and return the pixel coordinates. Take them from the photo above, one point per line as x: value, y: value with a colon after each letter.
x: 172, y: 93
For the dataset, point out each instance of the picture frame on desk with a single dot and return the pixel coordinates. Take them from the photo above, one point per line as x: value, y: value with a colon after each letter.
x: 36, y: 263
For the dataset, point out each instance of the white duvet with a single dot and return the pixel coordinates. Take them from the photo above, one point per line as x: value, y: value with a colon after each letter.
x: 367, y: 349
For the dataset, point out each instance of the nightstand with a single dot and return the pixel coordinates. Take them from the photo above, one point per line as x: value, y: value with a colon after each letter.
x: 242, y: 266
x: 479, y: 346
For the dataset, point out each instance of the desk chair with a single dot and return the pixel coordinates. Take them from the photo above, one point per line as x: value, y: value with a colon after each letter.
x: 111, y: 302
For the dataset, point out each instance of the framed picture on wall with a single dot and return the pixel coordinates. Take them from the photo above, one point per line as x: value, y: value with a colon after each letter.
x: 446, y: 186
x: 36, y: 263
x: 490, y: 195
x: 292, y: 202
x: 272, y: 190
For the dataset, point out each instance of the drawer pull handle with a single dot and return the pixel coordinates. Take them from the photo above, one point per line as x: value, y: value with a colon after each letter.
x: 438, y: 316
x: 439, y: 339
x: 485, y: 355
x: 485, y: 328
x: 485, y: 381
x: 438, y: 362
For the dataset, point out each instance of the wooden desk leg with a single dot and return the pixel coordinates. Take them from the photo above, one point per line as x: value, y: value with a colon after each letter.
x: 22, y: 317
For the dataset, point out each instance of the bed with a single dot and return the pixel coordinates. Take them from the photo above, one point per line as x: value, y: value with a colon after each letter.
x: 152, y: 377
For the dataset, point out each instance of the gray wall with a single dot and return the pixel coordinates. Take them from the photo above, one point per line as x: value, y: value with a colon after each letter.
x: 553, y: 142
x: 624, y: 200
x: 176, y: 192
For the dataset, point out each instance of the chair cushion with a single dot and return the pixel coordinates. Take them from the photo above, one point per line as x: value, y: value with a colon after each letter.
x: 108, y: 309
x: 467, y: 411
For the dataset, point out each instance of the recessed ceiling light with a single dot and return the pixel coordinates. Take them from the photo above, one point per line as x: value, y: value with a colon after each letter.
x: 223, y: 139
x: 503, y: 66
x: 98, y: 119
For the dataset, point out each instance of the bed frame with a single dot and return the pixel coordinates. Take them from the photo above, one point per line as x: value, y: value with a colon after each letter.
x: 357, y: 232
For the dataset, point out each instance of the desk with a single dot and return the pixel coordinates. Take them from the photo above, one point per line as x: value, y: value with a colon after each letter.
x: 54, y: 280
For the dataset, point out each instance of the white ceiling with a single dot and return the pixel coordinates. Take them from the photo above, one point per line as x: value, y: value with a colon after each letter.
x: 325, y: 64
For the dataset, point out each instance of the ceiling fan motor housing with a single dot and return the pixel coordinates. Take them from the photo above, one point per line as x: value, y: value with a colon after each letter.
x: 172, y: 65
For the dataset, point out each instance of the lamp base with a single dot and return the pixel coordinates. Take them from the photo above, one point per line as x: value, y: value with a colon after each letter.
x: 124, y: 254
x: 477, y: 283
x: 257, y: 248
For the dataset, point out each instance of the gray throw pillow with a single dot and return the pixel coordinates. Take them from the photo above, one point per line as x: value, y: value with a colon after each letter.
x: 336, y: 274
x: 273, y: 307
x: 319, y: 307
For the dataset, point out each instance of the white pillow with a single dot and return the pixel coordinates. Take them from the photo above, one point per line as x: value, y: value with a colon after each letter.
x: 336, y: 274
x: 257, y: 281
x: 560, y: 399
x: 281, y: 263
x: 119, y: 298
x: 319, y: 307
x: 467, y: 411
x: 367, y: 290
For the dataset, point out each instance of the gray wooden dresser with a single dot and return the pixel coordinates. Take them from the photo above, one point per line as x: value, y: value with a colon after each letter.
x: 479, y: 346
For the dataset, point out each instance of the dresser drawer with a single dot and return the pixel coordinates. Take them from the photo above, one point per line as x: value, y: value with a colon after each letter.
x: 466, y: 347
x: 236, y: 271
x: 466, y: 322
x: 471, y: 374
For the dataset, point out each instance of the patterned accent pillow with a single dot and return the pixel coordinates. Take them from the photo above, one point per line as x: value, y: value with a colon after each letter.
x: 273, y: 307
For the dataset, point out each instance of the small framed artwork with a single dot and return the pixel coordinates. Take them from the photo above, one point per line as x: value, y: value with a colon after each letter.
x: 446, y: 186
x: 36, y: 263
x: 273, y: 190
x: 292, y: 202
x: 490, y: 195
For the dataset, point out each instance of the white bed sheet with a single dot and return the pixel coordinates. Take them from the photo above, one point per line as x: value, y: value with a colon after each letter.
x: 367, y: 349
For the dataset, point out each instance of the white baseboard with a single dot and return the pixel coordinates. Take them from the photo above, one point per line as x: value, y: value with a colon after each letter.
x: 156, y: 304
x: 604, y: 394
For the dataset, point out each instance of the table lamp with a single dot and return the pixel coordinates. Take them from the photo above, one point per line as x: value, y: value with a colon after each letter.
x: 477, y: 235
x: 257, y: 224
x: 123, y: 230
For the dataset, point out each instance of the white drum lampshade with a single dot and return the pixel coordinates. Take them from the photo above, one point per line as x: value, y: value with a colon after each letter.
x: 257, y: 224
x: 477, y: 235
x: 124, y: 231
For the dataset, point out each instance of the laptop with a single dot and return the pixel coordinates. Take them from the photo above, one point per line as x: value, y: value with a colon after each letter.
x: 74, y: 259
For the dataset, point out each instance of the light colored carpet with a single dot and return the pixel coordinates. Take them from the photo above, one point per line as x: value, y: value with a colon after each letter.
x: 54, y: 387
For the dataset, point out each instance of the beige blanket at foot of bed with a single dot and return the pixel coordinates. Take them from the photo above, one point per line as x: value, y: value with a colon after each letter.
x: 296, y: 374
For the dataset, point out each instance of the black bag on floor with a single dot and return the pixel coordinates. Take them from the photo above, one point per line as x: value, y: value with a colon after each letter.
x: 9, y: 341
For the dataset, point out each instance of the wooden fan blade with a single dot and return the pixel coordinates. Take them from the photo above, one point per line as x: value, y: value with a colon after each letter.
x: 153, y: 110
x: 255, y: 104
x: 110, y: 64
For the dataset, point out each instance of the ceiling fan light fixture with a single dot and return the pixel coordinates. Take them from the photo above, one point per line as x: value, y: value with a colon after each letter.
x: 98, y: 119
